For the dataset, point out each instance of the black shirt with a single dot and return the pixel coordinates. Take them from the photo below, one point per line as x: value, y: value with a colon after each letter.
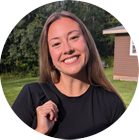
x: 79, y: 117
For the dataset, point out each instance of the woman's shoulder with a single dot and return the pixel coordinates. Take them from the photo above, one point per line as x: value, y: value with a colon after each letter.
x: 109, y: 103
x: 106, y: 97
x: 32, y: 91
x: 102, y: 92
x: 32, y: 88
x: 32, y: 85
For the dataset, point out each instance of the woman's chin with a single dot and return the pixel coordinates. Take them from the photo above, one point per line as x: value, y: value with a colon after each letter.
x: 73, y: 72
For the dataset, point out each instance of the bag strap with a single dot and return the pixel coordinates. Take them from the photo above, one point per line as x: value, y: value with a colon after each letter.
x: 49, y: 93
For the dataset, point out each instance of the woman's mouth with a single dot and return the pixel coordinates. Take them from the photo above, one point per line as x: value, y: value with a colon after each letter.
x: 71, y: 60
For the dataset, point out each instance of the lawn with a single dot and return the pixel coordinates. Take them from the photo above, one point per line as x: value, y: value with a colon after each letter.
x: 12, y: 87
x: 125, y: 88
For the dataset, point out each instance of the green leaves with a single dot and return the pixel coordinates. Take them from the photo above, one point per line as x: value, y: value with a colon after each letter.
x: 20, y: 52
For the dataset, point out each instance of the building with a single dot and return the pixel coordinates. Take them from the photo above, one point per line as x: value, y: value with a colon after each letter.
x: 125, y: 55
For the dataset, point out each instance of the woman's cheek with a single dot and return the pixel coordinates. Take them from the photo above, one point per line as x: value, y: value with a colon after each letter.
x: 55, y: 55
x: 82, y: 46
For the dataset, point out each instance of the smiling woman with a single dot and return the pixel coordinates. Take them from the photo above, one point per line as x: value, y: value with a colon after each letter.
x: 68, y: 50
x: 70, y: 65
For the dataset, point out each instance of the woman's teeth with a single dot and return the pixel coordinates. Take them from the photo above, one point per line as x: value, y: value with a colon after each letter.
x: 71, y: 59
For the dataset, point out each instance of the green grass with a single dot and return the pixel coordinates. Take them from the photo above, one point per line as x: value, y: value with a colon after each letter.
x: 12, y: 87
x: 126, y: 89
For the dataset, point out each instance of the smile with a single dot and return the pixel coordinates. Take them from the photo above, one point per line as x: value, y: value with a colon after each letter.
x: 71, y: 60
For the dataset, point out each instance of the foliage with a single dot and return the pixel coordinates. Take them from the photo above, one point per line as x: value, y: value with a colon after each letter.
x: 20, y: 52
x: 17, y: 75
x: 109, y: 60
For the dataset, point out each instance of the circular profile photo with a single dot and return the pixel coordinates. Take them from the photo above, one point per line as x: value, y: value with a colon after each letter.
x: 69, y: 70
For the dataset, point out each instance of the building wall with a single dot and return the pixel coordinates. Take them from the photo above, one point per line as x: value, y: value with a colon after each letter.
x: 124, y: 64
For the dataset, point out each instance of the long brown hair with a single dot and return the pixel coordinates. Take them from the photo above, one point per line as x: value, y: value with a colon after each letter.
x: 95, y: 72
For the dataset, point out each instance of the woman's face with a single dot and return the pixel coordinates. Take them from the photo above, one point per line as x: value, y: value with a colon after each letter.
x: 67, y: 46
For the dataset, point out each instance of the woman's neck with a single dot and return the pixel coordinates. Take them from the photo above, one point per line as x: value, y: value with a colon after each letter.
x: 73, y: 86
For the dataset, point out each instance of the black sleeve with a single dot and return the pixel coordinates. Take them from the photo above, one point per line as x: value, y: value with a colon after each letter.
x: 110, y: 104
x: 24, y: 107
x: 116, y: 108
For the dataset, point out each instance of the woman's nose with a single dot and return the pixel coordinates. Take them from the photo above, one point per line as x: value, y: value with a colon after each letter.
x: 67, y: 48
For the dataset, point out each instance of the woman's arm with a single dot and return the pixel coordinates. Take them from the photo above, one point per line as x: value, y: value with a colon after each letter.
x: 28, y: 108
x: 24, y: 107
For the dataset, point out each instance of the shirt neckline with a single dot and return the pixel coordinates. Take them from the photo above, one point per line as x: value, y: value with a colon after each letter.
x: 63, y: 96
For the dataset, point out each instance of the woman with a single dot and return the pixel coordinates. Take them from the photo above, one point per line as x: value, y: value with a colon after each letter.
x: 71, y: 66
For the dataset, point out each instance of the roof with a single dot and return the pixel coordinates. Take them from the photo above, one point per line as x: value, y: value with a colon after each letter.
x: 116, y: 30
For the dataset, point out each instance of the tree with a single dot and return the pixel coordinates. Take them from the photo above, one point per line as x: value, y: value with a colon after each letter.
x: 20, y: 53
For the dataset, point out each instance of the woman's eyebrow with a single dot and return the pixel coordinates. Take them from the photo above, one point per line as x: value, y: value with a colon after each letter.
x: 54, y: 38
x: 73, y: 31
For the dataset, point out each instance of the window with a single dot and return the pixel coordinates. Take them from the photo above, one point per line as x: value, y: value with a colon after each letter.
x: 132, y: 48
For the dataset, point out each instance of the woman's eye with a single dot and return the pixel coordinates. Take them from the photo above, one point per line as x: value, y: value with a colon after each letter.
x: 74, y: 37
x: 56, y: 44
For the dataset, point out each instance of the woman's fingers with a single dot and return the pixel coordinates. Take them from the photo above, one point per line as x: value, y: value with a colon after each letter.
x: 50, y: 104
x: 49, y: 109
x: 46, y: 115
x: 52, y: 115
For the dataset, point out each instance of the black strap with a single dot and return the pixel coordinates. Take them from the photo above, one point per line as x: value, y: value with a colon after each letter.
x: 49, y: 93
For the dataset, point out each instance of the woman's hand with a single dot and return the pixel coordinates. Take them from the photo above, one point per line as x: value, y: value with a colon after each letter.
x: 47, y: 114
